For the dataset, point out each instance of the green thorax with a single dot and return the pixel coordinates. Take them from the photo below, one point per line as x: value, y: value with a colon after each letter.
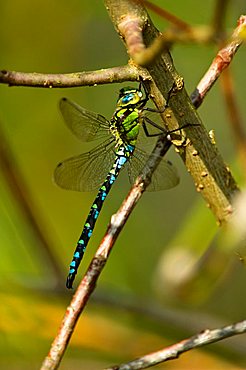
x: 126, y: 120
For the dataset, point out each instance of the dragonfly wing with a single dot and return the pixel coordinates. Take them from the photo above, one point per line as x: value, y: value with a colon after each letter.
x: 163, y: 178
x: 86, y: 172
x: 86, y: 125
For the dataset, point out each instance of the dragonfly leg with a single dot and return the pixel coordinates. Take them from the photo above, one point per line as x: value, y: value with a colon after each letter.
x: 170, y: 92
x: 155, y: 110
x: 147, y: 133
x: 181, y: 127
x: 172, y: 137
x: 163, y: 130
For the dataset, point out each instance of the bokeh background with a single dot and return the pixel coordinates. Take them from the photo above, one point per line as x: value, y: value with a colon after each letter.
x: 156, y: 288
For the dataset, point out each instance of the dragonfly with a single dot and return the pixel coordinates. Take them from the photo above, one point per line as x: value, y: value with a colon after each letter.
x: 118, y: 148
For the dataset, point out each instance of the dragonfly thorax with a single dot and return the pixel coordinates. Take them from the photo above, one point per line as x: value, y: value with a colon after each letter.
x: 126, y: 119
x: 125, y: 125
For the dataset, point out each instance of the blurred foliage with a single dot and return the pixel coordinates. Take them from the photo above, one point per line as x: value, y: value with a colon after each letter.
x: 57, y: 37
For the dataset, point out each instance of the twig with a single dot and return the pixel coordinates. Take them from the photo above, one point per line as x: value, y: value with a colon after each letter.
x: 130, y: 26
x: 145, y: 57
x: 173, y: 19
x: 88, y: 283
x: 174, y: 351
x: 220, y: 62
x: 103, y: 76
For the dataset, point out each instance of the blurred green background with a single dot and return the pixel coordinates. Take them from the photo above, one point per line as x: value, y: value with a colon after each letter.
x: 152, y: 292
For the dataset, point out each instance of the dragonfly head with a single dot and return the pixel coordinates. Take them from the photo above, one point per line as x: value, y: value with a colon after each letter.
x: 129, y: 96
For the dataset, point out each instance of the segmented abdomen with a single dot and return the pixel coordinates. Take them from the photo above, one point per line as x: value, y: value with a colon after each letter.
x: 122, y: 155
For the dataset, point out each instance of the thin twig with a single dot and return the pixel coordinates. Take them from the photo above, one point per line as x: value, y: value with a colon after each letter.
x: 145, y: 57
x: 131, y: 27
x: 173, y: 19
x: 92, y: 78
x: 88, y: 282
x: 220, y: 62
x: 174, y: 351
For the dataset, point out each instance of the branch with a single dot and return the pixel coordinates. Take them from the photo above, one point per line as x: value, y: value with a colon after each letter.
x: 163, y: 42
x: 174, y: 351
x: 220, y: 62
x: 130, y: 26
x: 102, y: 76
x: 88, y: 282
x: 200, y: 155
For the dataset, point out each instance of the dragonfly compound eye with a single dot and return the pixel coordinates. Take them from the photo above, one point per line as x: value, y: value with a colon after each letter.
x: 126, y: 99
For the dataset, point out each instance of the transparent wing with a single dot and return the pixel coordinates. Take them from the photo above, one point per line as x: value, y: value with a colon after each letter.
x: 86, y: 172
x: 164, y: 177
x: 86, y: 125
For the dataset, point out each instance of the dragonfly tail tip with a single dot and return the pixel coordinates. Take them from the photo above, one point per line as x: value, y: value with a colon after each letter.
x: 69, y: 282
